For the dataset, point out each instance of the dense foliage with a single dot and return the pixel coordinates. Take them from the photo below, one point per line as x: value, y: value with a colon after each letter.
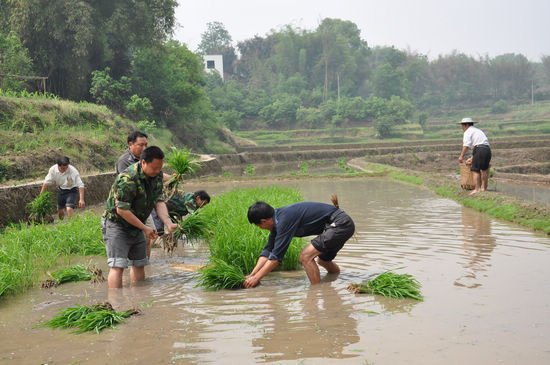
x: 119, y: 54
x: 294, y: 78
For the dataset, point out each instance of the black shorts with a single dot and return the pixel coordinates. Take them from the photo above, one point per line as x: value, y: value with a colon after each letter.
x: 481, y: 158
x: 67, y: 197
x: 338, y: 230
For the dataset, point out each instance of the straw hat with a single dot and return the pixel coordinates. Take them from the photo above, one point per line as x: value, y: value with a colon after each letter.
x: 466, y: 121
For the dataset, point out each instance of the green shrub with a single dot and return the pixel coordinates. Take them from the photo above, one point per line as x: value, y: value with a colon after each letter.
x: 500, y: 107
x: 6, y: 170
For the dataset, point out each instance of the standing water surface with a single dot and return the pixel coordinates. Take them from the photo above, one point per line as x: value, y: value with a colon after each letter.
x: 484, y: 281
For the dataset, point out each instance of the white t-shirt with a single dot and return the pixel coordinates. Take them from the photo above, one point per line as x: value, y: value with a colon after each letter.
x: 67, y: 180
x: 473, y: 137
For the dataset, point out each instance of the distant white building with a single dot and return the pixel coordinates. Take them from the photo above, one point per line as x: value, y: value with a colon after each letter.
x: 214, y: 62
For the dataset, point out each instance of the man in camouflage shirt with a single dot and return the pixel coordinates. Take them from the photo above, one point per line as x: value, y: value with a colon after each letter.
x: 181, y: 205
x: 132, y: 197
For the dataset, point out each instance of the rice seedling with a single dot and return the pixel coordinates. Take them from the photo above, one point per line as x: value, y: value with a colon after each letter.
x: 220, y: 275
x: 390, y: 284
x: 42, y: 207
x: 181, y: 162
x: 88, y: 318
x: 74, y: 273
x: 101, y: 319
x: 237, y: 242
x: 71, y: 273
x: 28, y: 251
x: 193, y: 227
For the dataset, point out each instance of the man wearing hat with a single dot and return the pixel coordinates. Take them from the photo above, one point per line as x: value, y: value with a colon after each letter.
x: 475, y: 139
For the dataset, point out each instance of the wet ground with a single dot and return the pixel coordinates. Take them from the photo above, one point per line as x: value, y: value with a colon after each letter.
x: 487, y: 299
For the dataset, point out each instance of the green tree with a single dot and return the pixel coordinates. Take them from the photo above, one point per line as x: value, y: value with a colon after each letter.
x: 511, y: 76
x: 458, y: 78
x: 389, y: 81
x: 139, y: 109
x: 171, y: 77
x: 14, y: 60
x: 342, y: 63
x: 107, y: 91
x: 422, y: 119
x: 67, y: 39
x: 251, y: 67
x: 389, y: 113
x: 282, y: 112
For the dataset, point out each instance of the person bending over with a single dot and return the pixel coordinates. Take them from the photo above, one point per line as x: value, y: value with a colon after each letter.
x: 332, y: 225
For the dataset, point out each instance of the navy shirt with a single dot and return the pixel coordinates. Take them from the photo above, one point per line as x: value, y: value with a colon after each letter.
x: 295, y: 220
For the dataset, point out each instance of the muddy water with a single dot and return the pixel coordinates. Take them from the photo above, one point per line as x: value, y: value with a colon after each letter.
x: 538, y: 193
x: 485, y: 282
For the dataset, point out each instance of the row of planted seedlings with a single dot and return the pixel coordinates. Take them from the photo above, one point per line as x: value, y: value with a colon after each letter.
x: 235, y: 244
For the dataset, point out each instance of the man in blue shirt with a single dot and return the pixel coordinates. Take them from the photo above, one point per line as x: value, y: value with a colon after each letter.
x: 332, y: 225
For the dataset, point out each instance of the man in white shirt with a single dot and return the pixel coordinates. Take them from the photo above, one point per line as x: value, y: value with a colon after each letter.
x: 69, y: 186
x: 475, y: 139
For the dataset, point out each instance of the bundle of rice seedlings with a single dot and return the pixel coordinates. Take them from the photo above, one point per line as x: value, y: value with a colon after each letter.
x: 181, y: 162
x: 71, y: 273
x: 194, y: 227
x: 42, y: 207
x: 220, y: 275
x: 390, y: 284
x: 75, y: 273
x: 88, y: 318
x: 101, y: 319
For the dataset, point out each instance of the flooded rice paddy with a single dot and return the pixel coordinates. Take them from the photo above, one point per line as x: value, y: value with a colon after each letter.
x: 485, y: 283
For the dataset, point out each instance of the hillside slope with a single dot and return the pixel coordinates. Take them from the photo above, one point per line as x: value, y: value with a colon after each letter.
x: 34, y: 131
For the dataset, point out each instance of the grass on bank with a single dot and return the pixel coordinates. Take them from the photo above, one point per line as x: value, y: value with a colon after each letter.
x: 238, y: 243
x: 503, y: 207
x: 34, y: 130
x: 27, y: 252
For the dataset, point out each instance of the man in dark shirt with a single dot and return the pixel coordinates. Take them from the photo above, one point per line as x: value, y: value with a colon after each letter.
x: 137, y: 142
x: 332, y: 225
x: 181, y: 205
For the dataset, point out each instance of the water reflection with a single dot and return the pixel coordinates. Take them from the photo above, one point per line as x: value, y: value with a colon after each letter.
x: 318, y: 325
x: 478, y: 243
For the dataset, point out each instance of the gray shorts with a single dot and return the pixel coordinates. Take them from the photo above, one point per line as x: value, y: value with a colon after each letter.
x: 338, y: 230
x: 123, y: 248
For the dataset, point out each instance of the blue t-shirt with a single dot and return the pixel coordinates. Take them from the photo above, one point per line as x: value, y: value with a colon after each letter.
x: 295, y: 220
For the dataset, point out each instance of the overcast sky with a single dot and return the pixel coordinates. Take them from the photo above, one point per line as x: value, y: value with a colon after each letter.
x: 429, y: 27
